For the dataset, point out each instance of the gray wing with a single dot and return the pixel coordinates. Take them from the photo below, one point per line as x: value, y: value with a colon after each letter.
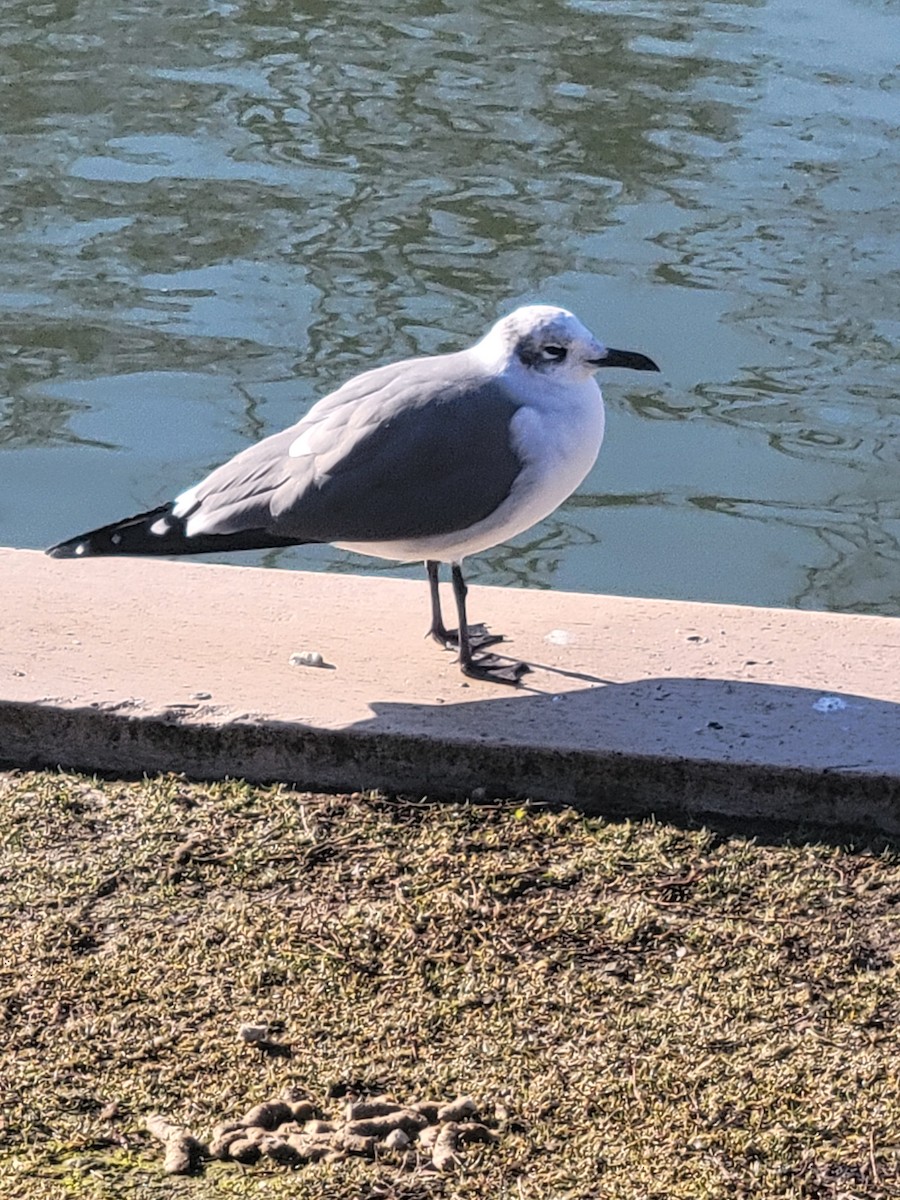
x: 417, y: 449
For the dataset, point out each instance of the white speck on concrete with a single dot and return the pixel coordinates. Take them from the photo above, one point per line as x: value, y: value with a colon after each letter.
x: 829, y: 704
x: 559, y: 637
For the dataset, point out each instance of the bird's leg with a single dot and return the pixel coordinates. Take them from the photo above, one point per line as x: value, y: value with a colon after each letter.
x: 488, y: 666
x: 449, y: 638
x: 438, y: 630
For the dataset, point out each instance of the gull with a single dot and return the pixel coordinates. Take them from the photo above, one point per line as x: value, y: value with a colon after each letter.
x: 430, y: 459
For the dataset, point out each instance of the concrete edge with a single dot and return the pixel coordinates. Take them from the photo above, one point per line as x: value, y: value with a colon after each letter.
x: 633, y: 706
x: 601, y: 783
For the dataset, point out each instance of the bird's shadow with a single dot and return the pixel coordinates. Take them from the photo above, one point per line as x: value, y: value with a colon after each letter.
x: 737, y: 750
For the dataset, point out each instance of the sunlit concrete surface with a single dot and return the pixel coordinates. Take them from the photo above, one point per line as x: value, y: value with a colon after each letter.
x: 633, y: 706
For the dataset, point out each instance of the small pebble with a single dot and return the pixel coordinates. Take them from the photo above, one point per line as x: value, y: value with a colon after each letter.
x: 307, y: 658
x: 253, y: 1033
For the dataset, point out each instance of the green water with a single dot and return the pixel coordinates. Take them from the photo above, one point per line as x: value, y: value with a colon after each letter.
x: 213, y: 213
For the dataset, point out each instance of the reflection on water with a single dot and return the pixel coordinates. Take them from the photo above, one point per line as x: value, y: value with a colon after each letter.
x: 213, y: 214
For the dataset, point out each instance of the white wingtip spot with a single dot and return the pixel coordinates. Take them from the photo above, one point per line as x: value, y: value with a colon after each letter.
x: 185, y: 502
x: 116, y: 539
x: 160, y: 527
x: 80, y: 548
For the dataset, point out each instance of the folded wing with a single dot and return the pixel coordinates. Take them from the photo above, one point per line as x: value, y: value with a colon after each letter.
x: 416, y: 449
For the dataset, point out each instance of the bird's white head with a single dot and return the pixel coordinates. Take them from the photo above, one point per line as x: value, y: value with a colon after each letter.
x: 550, y: 341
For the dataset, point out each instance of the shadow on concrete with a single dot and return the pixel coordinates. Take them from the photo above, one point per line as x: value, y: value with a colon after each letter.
x: 687, y: 748
x: 744, y: 750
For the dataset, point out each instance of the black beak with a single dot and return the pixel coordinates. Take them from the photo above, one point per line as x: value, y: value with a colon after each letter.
x: 625, y: 358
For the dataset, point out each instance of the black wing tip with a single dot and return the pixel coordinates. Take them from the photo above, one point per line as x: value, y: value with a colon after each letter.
x: 117, y: 538
x: 74, y: 548
x: 135, y: 537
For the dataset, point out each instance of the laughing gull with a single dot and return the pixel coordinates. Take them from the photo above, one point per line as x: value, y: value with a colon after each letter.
x: 428, y: 459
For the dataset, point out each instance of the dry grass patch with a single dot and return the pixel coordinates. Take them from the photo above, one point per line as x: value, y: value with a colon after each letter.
x: 641, y: 1010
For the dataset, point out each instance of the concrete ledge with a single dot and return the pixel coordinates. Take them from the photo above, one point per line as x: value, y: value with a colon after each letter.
x: 634, y: 706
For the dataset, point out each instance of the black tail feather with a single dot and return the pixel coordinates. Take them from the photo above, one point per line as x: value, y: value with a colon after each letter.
x: 136, y: 536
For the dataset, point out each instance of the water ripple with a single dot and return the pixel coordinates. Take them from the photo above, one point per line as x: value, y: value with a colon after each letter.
x: 269, y: 198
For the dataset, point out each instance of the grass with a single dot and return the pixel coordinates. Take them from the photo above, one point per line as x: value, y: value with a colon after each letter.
x: 642, y: 1010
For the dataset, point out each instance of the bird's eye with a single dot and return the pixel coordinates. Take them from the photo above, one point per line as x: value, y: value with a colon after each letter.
x: 555, y: 353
